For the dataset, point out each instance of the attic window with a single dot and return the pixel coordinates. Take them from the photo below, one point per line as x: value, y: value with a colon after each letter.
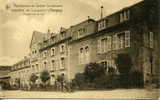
x: 125, y: 15
x: 101, y: 25
x: 62, y: 34
x: 81, y: 31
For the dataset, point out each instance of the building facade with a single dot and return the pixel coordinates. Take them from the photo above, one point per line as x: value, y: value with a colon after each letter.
x: 5, y: 77
x: 127, y: 31
x: 20, y: 73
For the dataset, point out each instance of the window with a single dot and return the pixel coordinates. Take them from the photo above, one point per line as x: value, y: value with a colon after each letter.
x: 121, y: 40
x: 102, y: 25
x: 62, y: 35
x: 81, y: 56
x: 37, y: 67
x: 124, y: 16
x: 151, y: 39
x: 114, y: 47
x: 121, y: 17
x: 151, y: 64
x: 53, y: 65
x: 45, y: 54
x: 62, y: 48
x: 127, y: 39
x: 81, y: 32
x: 62, y: 63
x: 45, y: 64
x: 99, y: 46
x: 128, y: 15
x: 109, y: 43
x: 103, y: 45
x: 52, y: 51
x: 33, y: 68
x: 53, y: 38
x: 87, y: 54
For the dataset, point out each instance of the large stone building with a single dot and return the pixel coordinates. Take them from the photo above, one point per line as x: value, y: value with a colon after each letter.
x: 131, y: 31
x: 4, y: 74
x: 20, y: 73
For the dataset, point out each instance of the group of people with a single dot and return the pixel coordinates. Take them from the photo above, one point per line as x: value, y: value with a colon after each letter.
x: 56, y: 84
x: 60, y: 84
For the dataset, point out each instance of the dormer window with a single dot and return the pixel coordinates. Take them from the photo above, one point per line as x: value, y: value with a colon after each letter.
x: 125, y: 15
x: 53, y: 39
x: 81, y: 32
x: 62, y: 35
x: 101, y: 25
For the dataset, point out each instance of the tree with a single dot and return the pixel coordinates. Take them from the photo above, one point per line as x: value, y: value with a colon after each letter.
x: 79, y: 80
x: 33, y: 78
x: 45, y: 76
x: 124, y: 63
x: 93, y: 70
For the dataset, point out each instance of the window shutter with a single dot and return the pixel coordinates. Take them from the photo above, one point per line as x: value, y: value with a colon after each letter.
x: 115, y: 42
x: 151, y: 39
x: 60, y: 48
x: 121, y: 17
x: 127, y: 39
x: 109, y: 40
x: 99, y: 46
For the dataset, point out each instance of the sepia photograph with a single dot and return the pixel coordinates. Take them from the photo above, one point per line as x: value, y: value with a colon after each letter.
x: 88, y: 49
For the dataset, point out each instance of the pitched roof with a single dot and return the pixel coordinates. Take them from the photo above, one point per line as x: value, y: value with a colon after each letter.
x: 36, y: 37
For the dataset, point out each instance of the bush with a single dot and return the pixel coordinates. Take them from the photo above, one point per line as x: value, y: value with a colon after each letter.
x: 5, y: 85
x: 93, y: 71
x: 124, y: 63
x: 136, y: 79
x: 94, y: 77
x: 45, y: 76
x: 33, y: 78
x: 109, y: 81
x: 80, y: 80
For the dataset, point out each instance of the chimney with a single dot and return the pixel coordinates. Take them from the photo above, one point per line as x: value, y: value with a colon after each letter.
x: 25, y: 57
x: 49, y: 31
x: 101, y: 12
x: 88, y: 17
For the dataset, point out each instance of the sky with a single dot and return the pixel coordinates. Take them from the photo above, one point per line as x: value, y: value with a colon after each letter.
x: 16, y: 29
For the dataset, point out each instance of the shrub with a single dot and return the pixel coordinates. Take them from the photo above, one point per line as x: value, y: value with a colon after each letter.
x: 92, y: 71
x: 80, y: 80
x: 136, y: 79
x: 124, y: 63
x: 33, y: 78
x: 44, y: 76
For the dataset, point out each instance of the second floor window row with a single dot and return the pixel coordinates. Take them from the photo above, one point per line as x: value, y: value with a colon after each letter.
x: 114, y: 42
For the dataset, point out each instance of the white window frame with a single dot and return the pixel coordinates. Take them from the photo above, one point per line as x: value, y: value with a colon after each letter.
x: 101, y: 25
x: 53, y: 65
x: 62, y: 64
x: 109, y: 43
x: 45, y: 67
x: 121, y: 17
x: 99, y: 48
x: 52, y: 53
x: 81, y: 54
x: 64, y: 48
x: 127, y: 39
x: 114, y: 41
x: 151, y: 39
x: 87, y: 54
